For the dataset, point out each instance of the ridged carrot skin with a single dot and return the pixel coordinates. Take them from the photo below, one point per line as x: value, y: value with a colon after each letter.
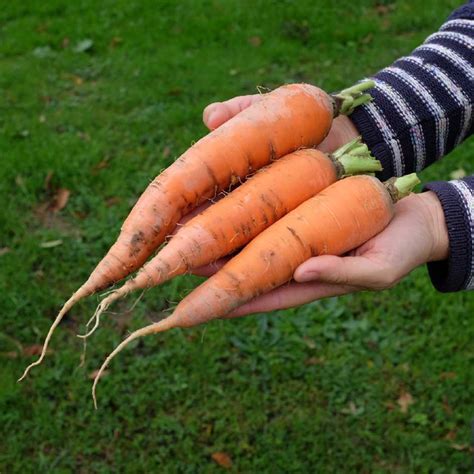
x: 243, y: 214
x: 340, y: 218
x: 239, y: 217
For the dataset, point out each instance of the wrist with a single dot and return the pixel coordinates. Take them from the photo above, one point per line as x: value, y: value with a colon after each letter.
x: 437, y: 226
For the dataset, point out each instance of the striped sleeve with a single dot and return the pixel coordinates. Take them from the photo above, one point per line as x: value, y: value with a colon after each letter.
x: 422, y: 105
x: 457, y: 199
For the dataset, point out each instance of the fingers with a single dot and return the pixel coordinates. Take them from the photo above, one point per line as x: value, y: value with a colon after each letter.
x: 360, y: 272
x: 209, y: 270
x: 216, y: 114
x: 293, y: 294
x: 198, y: 210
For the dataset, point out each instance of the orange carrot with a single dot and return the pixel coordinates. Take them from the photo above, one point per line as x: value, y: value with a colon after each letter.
x: 288, y: 118
x: 245, y: 212
x: 340, y: 218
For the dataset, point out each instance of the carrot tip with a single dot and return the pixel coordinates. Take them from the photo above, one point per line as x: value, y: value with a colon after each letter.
x: 102, y: 306
x: 163, y: 325
x: 79, y: 294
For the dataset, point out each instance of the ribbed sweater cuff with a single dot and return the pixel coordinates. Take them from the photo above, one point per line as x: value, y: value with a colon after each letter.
x: 455, y: 273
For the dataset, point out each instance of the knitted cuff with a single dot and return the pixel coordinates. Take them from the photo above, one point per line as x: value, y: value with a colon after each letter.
x: 457, y: 200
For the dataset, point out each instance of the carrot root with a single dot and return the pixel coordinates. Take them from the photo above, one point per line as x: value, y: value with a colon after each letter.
x: 101, y: 308
x: 161, y: 326
x: 80, y: 293
x: 352, y: 158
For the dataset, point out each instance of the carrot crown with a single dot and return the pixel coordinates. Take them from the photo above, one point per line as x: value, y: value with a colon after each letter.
x: 348, y: 99
x: 354, y: 158
x: 401, y: 187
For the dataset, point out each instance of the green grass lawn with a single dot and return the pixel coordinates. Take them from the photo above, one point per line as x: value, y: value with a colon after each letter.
x: 97, y: 98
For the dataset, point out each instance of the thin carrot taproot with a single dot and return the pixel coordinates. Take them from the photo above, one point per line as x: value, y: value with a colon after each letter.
x: 240, y: 216
x: 288, y: 118
x: 339, y: 219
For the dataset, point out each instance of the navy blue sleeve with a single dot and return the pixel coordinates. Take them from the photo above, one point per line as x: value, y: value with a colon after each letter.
x: 421, y: 110
x: 423, y: 102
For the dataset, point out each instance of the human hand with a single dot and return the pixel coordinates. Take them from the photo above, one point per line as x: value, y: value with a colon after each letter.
x: 417, y: 234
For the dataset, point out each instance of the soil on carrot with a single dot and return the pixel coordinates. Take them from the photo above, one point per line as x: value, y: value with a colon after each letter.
x: 98, y: 97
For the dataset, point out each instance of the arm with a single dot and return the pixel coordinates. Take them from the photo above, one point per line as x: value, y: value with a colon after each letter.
x: 423, y: 102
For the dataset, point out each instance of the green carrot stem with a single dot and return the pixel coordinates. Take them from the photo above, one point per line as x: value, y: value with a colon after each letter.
x: 348, y: 99
x: 355, y: 158
x: 401, y: 187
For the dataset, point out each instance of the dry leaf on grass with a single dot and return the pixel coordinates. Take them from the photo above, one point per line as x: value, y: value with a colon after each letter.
x: 9, y: 354
x: 314, y: 361
x: 112, y: 201
x: 5, y: 250
x: 404, y: 401
x: 447, y: 407
x: 54, y: 203
x: 50, y: 244
x: 255, y: 41
x: 47, y: 181
x: 94, y: 374
x: 166, y: 151
x: 102, y: 164
x: 458, y: 174
x: 60, y: 199
x: 450, y: 435
x: 222, y: 458
x: 34, y: 350
x: 447, y: 375
x: 462, y: 447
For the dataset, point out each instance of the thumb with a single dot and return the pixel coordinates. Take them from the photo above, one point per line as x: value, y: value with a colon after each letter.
x: 216, y: 114
x: 354, y: 271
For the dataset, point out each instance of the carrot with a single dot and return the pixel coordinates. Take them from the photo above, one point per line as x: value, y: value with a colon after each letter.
x: 236, y: 219
x: 340, y: 218
x: 288, y: 118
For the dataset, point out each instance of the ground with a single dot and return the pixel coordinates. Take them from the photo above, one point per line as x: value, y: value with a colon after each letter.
x: 98, y: 97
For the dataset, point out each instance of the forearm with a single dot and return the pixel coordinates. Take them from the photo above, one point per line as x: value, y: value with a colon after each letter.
x: 422, y: 104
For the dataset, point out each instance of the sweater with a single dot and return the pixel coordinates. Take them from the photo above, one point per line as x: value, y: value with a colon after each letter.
x: 421, y: 110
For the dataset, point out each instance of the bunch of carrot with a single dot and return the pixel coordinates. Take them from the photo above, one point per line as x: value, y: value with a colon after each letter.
x: 285, y: 212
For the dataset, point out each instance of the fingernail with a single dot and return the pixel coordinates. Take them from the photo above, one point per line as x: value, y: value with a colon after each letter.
x: 210, y: 117
x: 308, y: 276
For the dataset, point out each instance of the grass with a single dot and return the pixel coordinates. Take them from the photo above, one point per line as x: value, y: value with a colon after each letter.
x: 100, y: 96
